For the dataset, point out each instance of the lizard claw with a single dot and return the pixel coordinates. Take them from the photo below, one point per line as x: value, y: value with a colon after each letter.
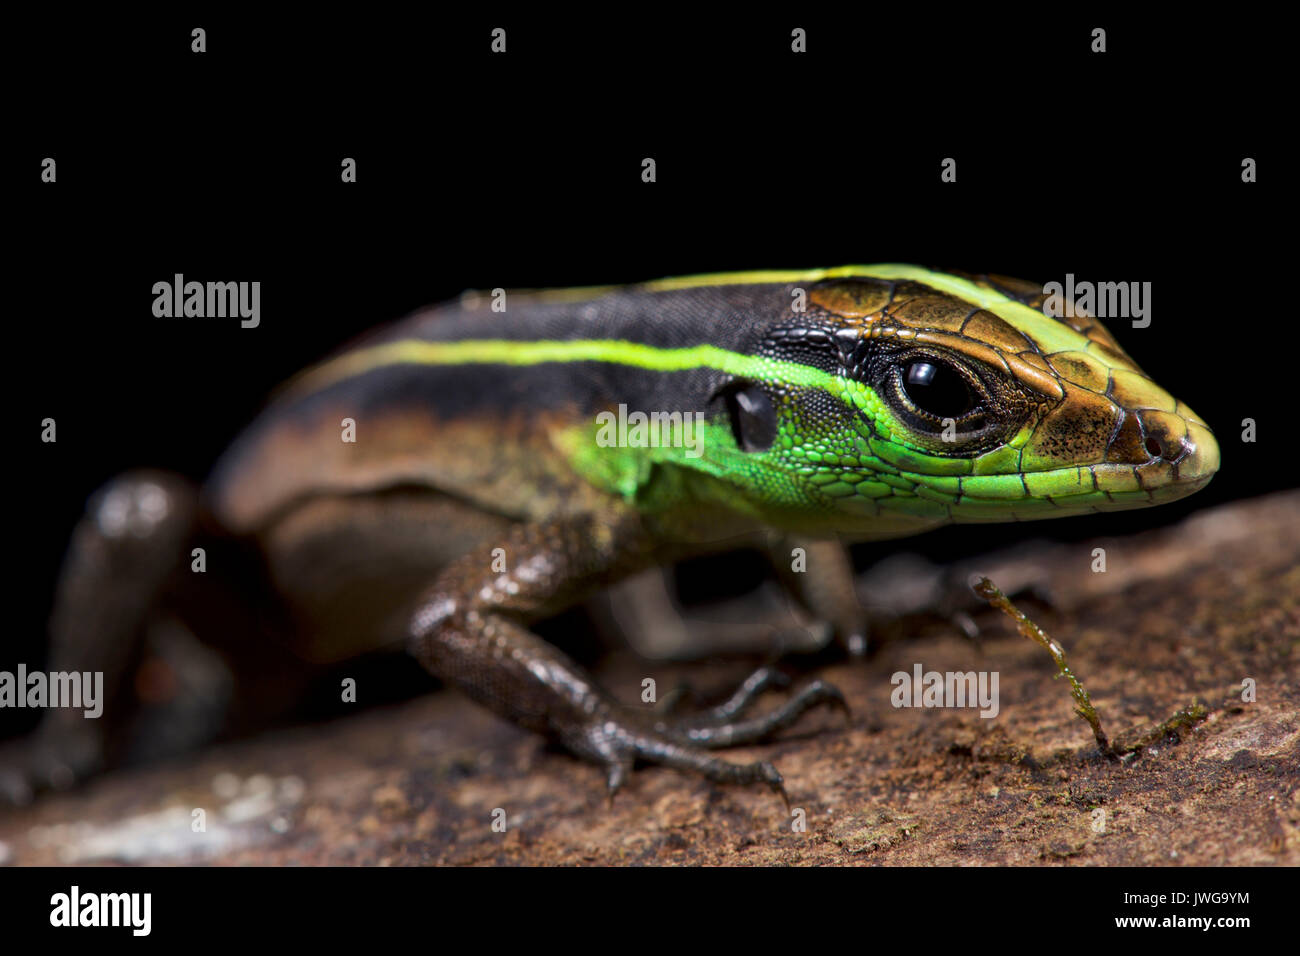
x: 616, y: 775
x: 774, y: 780
x: 617, y: 737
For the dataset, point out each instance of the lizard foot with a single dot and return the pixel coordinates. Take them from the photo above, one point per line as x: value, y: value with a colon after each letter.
x: 621, y: 747
x: 680, y: 742
x: 725, y: 726
x: 47, y: 760
x: 744, y: 695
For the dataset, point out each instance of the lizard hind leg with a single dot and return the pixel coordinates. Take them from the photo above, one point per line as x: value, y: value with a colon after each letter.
x: 130, y: 541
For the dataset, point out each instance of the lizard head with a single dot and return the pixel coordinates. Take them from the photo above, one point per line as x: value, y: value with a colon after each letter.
x: 930, y: 397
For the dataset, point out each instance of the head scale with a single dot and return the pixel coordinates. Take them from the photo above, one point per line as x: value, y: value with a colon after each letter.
x: 939, y: 398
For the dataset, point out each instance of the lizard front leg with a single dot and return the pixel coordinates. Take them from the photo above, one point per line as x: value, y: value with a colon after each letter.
x: 827, y: 587
x: 471, y: 630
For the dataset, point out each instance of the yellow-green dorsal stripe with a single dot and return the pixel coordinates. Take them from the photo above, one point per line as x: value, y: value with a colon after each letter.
x: 639, y: 355
x: 539, y: 352
x: 1052, y: 335
x: 888, y: 271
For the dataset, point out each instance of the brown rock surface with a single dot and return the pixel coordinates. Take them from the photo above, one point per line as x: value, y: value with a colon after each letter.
x: 1181, y: 615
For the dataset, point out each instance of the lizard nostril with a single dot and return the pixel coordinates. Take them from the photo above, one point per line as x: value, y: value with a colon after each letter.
x: 1163, y: 437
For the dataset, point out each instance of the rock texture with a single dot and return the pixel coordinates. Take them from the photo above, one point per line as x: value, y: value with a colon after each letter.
x: 1181, y: 615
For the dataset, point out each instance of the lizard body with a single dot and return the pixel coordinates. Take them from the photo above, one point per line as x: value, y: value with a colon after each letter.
x: 497, y: 476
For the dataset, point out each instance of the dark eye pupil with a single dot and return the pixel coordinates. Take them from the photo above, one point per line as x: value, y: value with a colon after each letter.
x: 937, y: 389
x: 753, y: 419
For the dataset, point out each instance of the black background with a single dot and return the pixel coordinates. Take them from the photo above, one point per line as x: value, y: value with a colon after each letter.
x: 523, y: 170
x: 927, y: 908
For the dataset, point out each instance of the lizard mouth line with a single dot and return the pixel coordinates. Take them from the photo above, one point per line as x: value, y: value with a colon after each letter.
x: 1083, y: 490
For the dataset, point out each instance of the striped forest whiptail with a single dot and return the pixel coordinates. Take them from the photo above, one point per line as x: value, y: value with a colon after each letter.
x: 512, y: 453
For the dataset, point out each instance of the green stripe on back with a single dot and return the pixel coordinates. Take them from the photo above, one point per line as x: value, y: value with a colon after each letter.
x: 524, y: 352
x: 1051, y: 335
x: 639, y: 355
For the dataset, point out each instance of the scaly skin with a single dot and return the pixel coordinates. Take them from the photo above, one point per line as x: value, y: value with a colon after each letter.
x: 1065, y: 423
x: 860, y: 402
x: 1077, y: 427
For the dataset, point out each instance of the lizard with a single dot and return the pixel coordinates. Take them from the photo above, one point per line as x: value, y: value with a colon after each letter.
x: 482, y: 487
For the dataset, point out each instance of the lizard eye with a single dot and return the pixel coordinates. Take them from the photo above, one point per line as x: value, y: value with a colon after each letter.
x: 753, y: 418
x: 937, y: 389
x: 927, y: 391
